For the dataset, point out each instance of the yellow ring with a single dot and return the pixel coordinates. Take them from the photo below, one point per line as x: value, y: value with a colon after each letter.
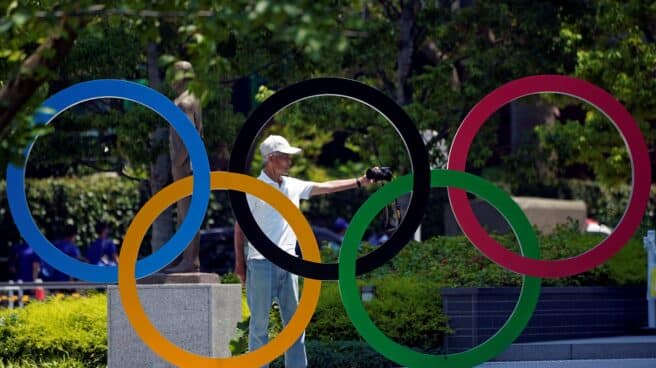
x: 127, y: 285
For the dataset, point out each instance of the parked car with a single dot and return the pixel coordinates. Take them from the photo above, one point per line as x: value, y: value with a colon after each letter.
x: 217, y: 253
x: 593, y: 226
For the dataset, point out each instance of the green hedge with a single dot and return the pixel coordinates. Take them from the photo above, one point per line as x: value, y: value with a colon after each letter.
x: 406, y: 306
x: 50, y: 363
x: 407, y: 309
x: 455, y: 262
x: 340, y: 354
x: 607, y: 205
x: 79, y: 201
x: 68, y: 330
x: 452, y: 261
x: 85, y: 201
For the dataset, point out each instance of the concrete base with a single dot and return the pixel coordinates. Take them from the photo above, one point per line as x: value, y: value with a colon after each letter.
x: 621, y: 347
x: 200, y: 318
x: 544, y: 213
x: 181, y: 278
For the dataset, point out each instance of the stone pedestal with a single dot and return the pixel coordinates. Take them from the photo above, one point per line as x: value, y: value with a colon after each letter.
x: 544, y: 213
x: 201, y: 318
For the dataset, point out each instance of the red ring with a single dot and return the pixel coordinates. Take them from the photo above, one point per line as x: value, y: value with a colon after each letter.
x: 623, y: 121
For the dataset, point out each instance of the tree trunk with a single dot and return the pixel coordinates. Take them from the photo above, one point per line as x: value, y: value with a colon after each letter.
x: 408, y: 31
x: 160, y: 170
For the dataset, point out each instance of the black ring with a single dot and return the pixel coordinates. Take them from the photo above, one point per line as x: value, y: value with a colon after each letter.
x: 363, y: 93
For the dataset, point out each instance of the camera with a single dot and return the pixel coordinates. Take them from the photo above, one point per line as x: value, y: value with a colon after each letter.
x: 379, y: 173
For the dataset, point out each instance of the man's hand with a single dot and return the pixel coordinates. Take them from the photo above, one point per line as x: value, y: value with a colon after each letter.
x: 240, y: 271
x: 365, y: 182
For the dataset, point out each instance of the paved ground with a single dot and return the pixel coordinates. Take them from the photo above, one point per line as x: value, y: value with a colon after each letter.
x: 623, y: 348
x: 621, y: 351
x: 606, y: 363
x: 602, y: 340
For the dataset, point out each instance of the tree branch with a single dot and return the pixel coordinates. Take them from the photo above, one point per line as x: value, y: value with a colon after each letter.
x: 389, y: 86
x: 100, y: 9
x: 31, y: 73
x: 390, y: 10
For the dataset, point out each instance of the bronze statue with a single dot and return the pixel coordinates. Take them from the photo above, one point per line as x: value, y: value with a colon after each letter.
x: 180, y: 162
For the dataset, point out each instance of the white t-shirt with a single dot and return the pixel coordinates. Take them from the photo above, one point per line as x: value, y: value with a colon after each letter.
x: 270, y: 221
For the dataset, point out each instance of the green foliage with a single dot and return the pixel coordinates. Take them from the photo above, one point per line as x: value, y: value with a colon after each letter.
x: 614, y: 47
x: 321, y: 125
x: 85, y: 142
x: 407, y: 309
x: 628, y: 266
x: 607, y: 204
x: 18, y: 137
x: 21, y: 33
x: 406, y: 305
x: 338, y: 354
x: 478, y: 48
x: 83, y: 202
x: 454, y: 262
x: 604, y: 203
x: 460, y: 54
x: 233, y: 39
x: 64, y: 332
x: 49, y: 363
x: 239, y: 344
x: 230, y: 278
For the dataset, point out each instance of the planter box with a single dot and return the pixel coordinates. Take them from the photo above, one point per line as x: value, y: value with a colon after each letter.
x: 562, y: 313
x: 201, y: 318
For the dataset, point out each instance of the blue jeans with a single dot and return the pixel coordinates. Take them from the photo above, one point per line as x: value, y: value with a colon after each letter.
x: 266, y: 282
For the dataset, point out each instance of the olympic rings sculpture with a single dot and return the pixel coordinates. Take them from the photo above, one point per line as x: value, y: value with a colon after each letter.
x: 419, y: 183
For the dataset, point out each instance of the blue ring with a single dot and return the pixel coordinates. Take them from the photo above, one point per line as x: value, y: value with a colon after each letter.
x: 157, y: 102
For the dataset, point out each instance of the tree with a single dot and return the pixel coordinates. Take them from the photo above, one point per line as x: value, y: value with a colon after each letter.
x: 614, y: 44
x: 310, y: 32
x: 285, y: 41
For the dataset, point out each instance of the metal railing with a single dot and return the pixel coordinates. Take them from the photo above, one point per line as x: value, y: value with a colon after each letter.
x: 15, y: 291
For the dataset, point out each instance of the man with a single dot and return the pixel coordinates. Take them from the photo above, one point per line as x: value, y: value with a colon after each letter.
x: 339, y: 227
x: 103, y: 250
x: 67, y: 246
x: 24, y: 263
x: 180, y: 161
x: 266, y: 282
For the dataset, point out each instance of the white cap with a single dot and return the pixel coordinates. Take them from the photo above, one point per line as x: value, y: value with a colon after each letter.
x: 276, y: 143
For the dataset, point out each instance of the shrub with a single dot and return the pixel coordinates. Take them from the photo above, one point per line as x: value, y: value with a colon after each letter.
x: 408, y: 310
x: 455, y: 262
x: 83, y: 202
x: 239, y: 344
x: 69, y: 329
x: 607, y: 205
x: 340, y: 354
x: 230, y: 278
x: 54, y: 363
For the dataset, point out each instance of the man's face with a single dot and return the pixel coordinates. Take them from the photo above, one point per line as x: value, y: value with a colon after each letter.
x: 281, y: 162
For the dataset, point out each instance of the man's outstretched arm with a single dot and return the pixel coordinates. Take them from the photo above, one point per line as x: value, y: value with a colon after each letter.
x: 340, y: 185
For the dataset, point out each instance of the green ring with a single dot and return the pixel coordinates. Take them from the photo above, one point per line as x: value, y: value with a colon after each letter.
x: 405, y: 356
